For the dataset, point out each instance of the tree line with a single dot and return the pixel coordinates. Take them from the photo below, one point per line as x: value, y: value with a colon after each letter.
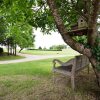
x: 14, y: 27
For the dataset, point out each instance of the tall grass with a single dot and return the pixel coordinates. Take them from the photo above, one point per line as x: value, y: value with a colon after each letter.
x: 34, y: 81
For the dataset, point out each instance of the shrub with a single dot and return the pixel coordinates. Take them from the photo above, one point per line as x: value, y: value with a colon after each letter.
x: 58, y: 47
x: 40, y: 48
x: 1, y: 50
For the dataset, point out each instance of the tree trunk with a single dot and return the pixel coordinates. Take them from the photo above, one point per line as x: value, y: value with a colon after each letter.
x: 8, y: 47
x: 92, y: 22
x: 94, y: 63
x: 63, y: 31
x: 15, y: 49
x: 69, y: 40
x: 20, y: 50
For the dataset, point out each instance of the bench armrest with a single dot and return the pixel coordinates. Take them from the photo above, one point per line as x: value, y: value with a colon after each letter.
x: 56, y: 61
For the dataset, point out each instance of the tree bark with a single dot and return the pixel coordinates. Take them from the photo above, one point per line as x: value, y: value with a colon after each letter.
x: 92, y: 22
x: 15, y: 49
x: 8, y: 47
x: 97, y: 73
x: 63, y: 31
x: 69, y: 40
x: 21, y: 50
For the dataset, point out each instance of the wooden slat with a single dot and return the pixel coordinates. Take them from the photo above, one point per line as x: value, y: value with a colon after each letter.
x: 62, y: 72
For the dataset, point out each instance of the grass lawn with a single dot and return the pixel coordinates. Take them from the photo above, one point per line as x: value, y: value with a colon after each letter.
x: 34, y: 81
x: 10, y: 57
x: 68, y: 51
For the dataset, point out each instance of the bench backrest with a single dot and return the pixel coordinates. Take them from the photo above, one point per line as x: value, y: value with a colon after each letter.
x: 78, y: 62
x: 81, y: 62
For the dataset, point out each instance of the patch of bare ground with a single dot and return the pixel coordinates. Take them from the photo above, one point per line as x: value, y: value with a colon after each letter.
x: 57, y: 88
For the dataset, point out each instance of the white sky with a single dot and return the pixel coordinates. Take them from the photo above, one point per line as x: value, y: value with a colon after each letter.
x: 47, y: 40
x: 99, y: 26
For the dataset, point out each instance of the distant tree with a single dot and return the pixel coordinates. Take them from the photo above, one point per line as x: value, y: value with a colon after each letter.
x: 44, y: 48
x: 58, y: 47
x: 26, y: 38
x: 17, y: 15
x: 40, y: 48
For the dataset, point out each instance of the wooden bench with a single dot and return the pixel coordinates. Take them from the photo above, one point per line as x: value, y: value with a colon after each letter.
x: 71, y: 67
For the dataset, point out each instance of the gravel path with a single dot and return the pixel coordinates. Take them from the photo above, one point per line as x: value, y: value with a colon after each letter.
x: 29, y: 57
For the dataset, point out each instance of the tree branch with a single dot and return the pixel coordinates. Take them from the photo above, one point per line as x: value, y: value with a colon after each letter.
x: 78, y: 11
x: 92, y: 23
x: 96, y: 8
x: 63, y: 31
x: 40, y: 8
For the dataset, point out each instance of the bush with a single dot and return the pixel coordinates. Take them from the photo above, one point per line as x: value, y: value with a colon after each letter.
x: 1, y: 50
x: 58, y: 47
x: 40, y: 48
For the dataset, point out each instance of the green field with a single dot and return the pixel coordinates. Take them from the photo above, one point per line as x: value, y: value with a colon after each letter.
x: 68, y: 51
x: 41, y: 67
x: 34, y: 81
x: 18, y: 79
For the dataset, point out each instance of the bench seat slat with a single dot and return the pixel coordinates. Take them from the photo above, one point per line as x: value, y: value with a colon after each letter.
x: 62, y: 72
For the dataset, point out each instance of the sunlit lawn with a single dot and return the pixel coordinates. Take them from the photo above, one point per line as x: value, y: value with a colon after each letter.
x: 68, y: 51
x: 34, y: 81
x: 40, y: 67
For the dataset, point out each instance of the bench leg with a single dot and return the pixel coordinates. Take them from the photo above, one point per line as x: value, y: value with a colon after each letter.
x: 88, y: 69
x: 53, y: 77
x: 73, y: 82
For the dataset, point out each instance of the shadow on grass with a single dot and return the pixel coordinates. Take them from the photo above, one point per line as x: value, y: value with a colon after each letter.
x: 4, y: 56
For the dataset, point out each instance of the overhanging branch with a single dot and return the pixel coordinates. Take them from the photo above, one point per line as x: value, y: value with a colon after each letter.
x: 63, y: 31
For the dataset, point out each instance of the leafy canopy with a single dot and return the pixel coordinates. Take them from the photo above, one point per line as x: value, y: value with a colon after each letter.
x: 16, y: 14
